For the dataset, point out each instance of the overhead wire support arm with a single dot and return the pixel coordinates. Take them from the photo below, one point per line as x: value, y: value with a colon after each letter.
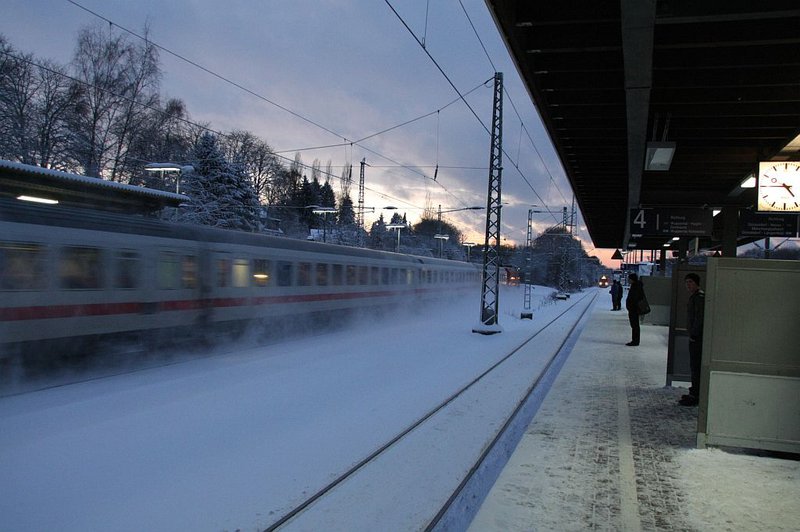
x: 491, y: 249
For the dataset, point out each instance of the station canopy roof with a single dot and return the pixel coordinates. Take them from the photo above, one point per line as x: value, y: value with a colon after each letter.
x: 75, y: 190
x: 719, y: 78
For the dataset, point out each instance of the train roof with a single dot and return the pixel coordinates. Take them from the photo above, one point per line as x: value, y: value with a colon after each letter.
x: 17, y: 179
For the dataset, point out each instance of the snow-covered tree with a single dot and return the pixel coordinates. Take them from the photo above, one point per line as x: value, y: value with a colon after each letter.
x: 220, y: 193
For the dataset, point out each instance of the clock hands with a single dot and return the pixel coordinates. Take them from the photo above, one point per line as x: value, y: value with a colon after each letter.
x: 782, y: 185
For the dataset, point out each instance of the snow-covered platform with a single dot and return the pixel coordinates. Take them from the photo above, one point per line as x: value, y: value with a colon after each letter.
x: 610, y: 449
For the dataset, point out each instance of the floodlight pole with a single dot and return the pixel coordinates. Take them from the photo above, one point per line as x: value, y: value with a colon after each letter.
x: 491, y: 249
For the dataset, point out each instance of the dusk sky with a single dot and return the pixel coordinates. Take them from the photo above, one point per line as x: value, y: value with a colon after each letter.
x: 333, y: 72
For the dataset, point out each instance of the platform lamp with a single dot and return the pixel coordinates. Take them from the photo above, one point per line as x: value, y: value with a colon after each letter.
x: 398, y: 227
x: 164, y: 168
x: 441, y: 238
x: 316, y: 209
x: 469, y: 246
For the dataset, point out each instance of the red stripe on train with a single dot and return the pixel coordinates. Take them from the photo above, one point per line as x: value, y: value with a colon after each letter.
x: 41, y: 312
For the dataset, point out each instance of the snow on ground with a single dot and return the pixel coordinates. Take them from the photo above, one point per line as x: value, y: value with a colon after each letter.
x: 733, y: 491
x: 610, y: 449
x: 233, y: 441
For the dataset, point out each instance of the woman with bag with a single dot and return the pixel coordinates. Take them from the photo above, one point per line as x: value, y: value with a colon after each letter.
x: 636, y: 304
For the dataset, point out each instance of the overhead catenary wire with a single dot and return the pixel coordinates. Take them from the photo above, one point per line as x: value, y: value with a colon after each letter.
x: 263, y: 98
x: 485, y: 127
x: 182, y: 120
x: 511, y: 101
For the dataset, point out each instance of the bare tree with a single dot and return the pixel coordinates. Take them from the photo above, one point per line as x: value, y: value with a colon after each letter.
x: 256, y: 158
x: 55, y: 102
x: 18, y: 86
x: 99, y: 64
x: 141, y: 76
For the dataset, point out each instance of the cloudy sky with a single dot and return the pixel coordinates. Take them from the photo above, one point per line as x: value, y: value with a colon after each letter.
x: 334, y: 72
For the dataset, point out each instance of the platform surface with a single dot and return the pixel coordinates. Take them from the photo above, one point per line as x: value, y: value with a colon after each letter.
x: 610, y: 449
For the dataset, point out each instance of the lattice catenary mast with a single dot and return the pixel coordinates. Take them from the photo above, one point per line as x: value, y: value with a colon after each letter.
x: 360, y: 229
x: 491, y: 249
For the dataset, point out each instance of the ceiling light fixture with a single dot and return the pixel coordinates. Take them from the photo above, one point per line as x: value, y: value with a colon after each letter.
x: 659, y: 156
x: 749, y: 182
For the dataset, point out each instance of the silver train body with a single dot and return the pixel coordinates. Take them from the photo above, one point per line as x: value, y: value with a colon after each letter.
x: 67, y: 274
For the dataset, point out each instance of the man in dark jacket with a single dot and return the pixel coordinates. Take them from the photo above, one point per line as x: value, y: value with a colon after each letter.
x: 635, y: 294
x: 616, y: 295
x: 694, y: 325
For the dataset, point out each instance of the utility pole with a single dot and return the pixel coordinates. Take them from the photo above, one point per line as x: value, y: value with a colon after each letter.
x: 491, y: 249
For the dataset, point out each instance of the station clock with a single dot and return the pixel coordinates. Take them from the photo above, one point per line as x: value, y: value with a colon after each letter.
x: 779, y: 186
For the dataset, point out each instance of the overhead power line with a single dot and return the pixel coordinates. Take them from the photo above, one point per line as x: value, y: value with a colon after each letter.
x: 182, y: 120
x: 485, y: 127
x: 410, y: 168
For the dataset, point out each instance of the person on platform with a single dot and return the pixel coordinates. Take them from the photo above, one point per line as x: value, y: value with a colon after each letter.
x: 694, y: 325
x: 616, y: 295
x: 635, y: 294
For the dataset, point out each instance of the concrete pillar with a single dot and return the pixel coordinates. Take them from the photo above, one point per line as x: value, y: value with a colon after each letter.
x: 730, y: 230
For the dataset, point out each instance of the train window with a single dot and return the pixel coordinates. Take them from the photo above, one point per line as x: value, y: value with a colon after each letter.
x: 304, y: 274
x: 261, y: 269
x: 223, y: 273
x: 376, y: 275
x: 322, y: 275
x: 352, y: 274
x: 241, y: 273
x: 363, y: 275
x: 188, y: 271
x: 168, y: 270
x: 128, y: 268
x: 338, y: 275
x: 80, y: 268
x: 22, y: 266
x: 386, y: 276
x: 284, y: 273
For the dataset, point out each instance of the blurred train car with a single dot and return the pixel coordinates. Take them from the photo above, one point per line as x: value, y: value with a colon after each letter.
x: 76, y: 274
x: 603, y: 282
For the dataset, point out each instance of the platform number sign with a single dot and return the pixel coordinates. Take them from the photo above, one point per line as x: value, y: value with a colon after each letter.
x: 641, y: 222
x: 670, y: 222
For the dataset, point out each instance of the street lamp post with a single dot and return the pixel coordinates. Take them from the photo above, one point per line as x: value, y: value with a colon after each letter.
x: 469, y: 246
x: 398, y: 227
x: 441, y: 237
x: 164, y: 168
x: 316, y: 209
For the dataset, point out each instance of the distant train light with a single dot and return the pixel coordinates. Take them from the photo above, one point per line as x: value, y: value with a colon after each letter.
x: 36, y: 199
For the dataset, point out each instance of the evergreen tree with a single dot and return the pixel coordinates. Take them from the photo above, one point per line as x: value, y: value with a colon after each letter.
x: 220, y: 194
x: 346, y: 214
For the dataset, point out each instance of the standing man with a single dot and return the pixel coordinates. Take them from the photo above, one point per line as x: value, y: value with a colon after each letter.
x: 694, y: 324
x: 616, y: 295
x: 635, y: 294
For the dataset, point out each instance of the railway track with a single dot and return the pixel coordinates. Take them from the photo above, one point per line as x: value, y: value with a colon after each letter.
x: 577, y: 309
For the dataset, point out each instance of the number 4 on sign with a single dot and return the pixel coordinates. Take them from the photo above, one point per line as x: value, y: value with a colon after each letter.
x: 642, y: 222
x: 639, y: 219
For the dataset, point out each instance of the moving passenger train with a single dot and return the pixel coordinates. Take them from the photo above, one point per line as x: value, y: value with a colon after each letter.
x: 69, y: 274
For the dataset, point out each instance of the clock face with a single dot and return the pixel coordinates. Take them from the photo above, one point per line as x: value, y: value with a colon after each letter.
x: 779, y: 186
